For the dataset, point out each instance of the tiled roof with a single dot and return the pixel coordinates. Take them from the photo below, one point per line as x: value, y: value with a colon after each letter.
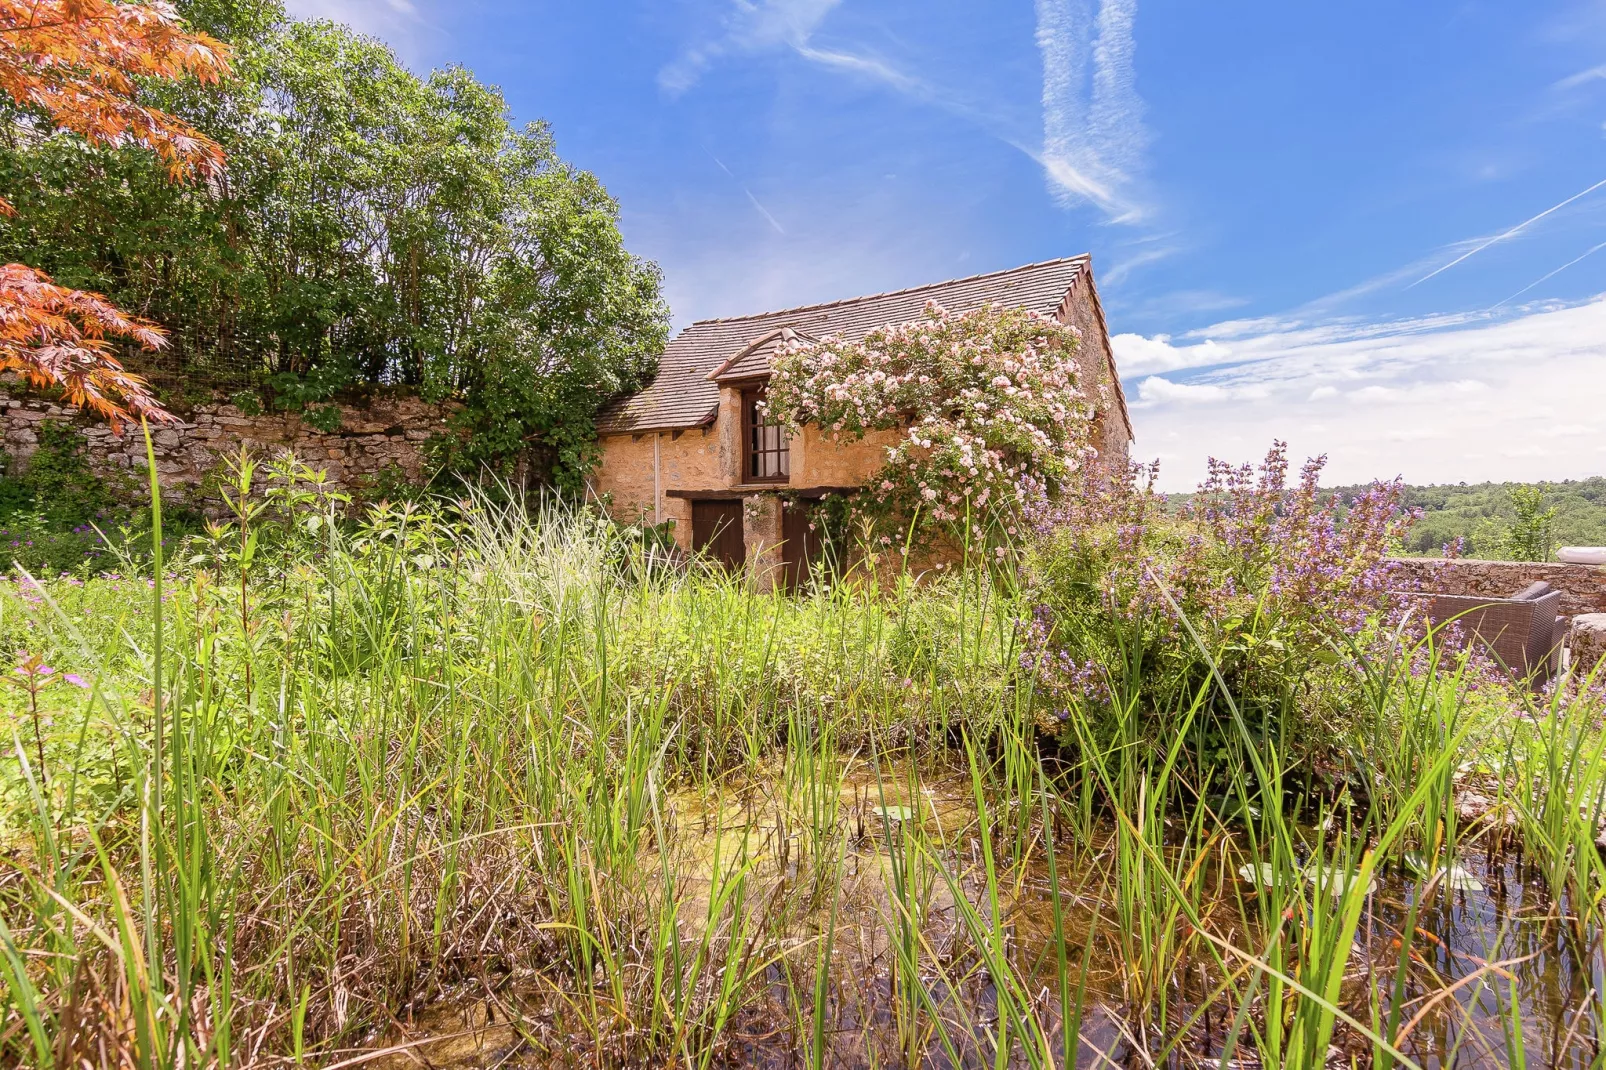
x: 684, y: 395
x: 754, y: 361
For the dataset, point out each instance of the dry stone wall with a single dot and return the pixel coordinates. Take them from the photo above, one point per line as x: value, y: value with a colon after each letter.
x: 1586, y: 643
x: 1582, y: 587
x: 387, y: 434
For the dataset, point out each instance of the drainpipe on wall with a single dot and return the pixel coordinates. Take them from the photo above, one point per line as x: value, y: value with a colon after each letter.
x: 657, y: 479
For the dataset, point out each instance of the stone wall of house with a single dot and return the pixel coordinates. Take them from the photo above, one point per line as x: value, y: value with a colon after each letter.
x: 1582, y: 587
x: 1093, y: 363
x: 644, y: 475
x: 387, y: 433
x: 689, y: 460
x: 831, y: 462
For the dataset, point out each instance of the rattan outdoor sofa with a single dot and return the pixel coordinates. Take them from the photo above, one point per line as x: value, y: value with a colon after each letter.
x: 1521, y: 631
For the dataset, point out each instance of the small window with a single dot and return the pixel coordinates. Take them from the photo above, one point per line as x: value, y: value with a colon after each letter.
x: 765, y: 457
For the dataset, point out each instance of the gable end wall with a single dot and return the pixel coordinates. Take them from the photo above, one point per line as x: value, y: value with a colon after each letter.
x: 1094, y: 364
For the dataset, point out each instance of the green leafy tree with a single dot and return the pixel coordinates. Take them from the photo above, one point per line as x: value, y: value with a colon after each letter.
x: 1529, y: 536
x: 373, y: 229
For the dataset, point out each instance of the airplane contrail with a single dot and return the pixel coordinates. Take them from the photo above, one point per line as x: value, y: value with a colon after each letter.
x: 1590, y: 252
x: 765, y: 212
x: 1513, y: 232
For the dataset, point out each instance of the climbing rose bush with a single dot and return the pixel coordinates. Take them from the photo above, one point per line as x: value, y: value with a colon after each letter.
x: 987, y: 406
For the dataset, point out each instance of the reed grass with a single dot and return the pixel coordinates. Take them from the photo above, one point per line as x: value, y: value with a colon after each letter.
x: 322, y: 786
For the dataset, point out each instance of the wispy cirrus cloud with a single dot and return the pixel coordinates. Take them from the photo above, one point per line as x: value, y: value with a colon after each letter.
x: 871, y: 67
x: 791, y: 25
x: 1093, y: 135
x: 1093, y: 139
x: 748, y: 28
x: 1476, y: 396
x: 1584, y: 77
x: 1150, y: 252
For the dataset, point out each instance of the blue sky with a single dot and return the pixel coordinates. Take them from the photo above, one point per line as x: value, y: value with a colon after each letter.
x: 1372, y: 229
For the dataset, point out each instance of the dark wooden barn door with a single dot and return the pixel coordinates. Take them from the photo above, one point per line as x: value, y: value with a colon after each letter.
x: 716, y: 528
x: 800, y: 550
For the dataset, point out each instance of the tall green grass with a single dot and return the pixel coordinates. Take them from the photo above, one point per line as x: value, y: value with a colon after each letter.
x: 328, y: 779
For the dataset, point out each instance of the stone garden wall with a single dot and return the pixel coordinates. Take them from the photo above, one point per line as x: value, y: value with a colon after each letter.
x: 1582, y: 587
x: 388, y: 433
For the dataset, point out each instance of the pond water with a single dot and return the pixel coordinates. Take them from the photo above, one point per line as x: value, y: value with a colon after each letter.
x: 1498, y: 933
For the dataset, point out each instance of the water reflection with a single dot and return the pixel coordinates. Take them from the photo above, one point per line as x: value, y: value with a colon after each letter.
x: 837, y: 855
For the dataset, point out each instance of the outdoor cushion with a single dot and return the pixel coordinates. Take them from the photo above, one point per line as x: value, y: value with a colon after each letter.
x: 1536, y: 589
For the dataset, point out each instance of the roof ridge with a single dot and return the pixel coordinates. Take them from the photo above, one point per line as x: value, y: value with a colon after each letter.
x: 736, y: 358
x: 889, y: 293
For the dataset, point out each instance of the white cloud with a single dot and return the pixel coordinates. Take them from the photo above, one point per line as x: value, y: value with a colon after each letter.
x: 1158, y: 389
x: 1573, y: 81
x: 868, y: 66
x: 1426, y: 393
x: 396, y: 22
x: 749, y: 28
x: 1415, y: 434
x: 1135, y: 353
x: 1438, y: 399
x: 1152, y: 255
x: 1093, y: 136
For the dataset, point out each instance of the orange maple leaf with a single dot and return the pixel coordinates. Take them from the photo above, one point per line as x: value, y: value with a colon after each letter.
x: 55, y: 336
x: 77, y: 61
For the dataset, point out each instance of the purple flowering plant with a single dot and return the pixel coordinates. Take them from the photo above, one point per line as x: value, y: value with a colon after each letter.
x: 1275, y: 576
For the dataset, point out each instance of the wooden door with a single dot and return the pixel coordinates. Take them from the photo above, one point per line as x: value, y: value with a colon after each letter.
x: 716, y: 529
x: 800, y: 550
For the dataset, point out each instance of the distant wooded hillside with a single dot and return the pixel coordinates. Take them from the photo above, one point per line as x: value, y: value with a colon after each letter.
x: 1483, y: 514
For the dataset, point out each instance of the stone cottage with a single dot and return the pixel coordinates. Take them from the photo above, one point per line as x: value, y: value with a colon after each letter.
x: 694, y: 447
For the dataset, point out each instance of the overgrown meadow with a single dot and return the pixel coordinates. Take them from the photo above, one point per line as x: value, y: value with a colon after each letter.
x: 474, y: 784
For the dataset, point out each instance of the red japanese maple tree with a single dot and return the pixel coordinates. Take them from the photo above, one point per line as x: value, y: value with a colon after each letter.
x: 74, y: 66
